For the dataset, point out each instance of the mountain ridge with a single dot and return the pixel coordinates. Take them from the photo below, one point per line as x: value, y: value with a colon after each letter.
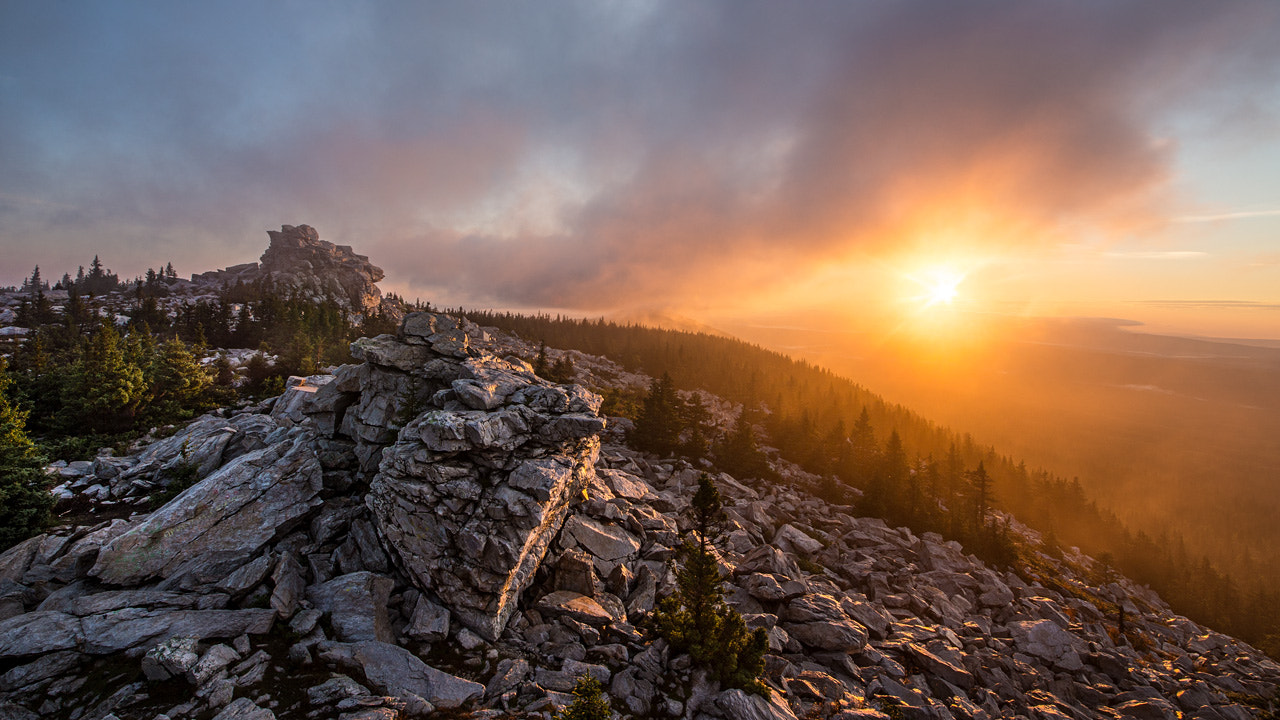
x: 864, y: 619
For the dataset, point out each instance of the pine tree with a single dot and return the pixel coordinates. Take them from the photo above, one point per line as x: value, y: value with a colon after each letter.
x: 740, y: 455
x: 24, y: 497
x: 980, y: 485
x: 104, y: 389
x: 695, y: 619
x: 540, y: 364
x: 589, y: 701
x: 562, y: 370
x: 179, y: 383
x: 658, y: 427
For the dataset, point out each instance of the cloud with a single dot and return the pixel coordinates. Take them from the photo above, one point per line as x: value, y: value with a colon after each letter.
x: 1211, y: 304
x: 599, y: 155
x: 1157, y: 255
x: 1235, y: 215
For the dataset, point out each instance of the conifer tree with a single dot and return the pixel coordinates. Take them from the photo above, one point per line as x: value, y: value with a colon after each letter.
x: 562, y: 370
x: 178, y: 382
x: 740, y: 455
x: 589, y: 701
x: 658, y: 427
x: 104, y: 389
x: 695, y: 619
x: 541, y: 364
x: 24, y: 497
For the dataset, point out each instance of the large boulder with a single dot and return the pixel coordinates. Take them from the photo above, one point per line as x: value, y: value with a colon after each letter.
x: 396, y: 671
x: 480, y: 460
x: 1045, y: 640
x: 220, y: 523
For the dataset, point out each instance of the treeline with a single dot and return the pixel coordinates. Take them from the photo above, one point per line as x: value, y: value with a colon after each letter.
x: 910, y: 471
x: 93, y: 373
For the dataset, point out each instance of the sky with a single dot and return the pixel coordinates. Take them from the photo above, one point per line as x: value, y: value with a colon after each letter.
x: 713, y: 159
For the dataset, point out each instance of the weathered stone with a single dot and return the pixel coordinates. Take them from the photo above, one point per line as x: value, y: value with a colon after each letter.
x: 212, y: 665
x: 357, y: 605
x: 338, y: 687
x: 793, y: 540
x: 607, y: 542
x: 224, y: 519
x: 244, y: 709
x: 739, y: 705
x: 430, y: 622
x: 576, y: 573
x: 1148, y: 709
x: 396, y: 671
x: 844, y: 636
x: 579, y: 607
x: 246, y: 577
x: 39, y: 632
x: 136, y: 627
x: 480, y: 568
x: 1045, y: 640
x: 289, y: 586
x: 510, y: 673
x: 173, y: 657
x: 771, y: 588
x: 943, y: 662
x: 298, y: 261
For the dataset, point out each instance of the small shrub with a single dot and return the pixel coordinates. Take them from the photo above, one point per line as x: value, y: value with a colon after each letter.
x: 589, y: 703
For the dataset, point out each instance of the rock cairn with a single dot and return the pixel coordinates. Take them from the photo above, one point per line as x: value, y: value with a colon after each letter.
x: 438, y: 528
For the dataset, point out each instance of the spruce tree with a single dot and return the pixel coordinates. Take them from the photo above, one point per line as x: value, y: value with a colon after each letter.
x: 740, y: 455
x: 589, y: 701
x: 695, y: 619
x: 658, y: 427
x: 104, y: 388
x: 179, y: 383
x: 24, y: 496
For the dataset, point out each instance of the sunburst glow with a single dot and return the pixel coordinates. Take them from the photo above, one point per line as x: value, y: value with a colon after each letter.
x: 941, y: 286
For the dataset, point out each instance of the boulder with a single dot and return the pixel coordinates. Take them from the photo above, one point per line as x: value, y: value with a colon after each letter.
x: 739, y: 705
x: 845, y: 636
x: 607, y: 542
x: 429, y: 622
x: 173, y: 657
x: 395, y: 671
x: 244, y: 709
x: 219, y: 523
x: 1043, y: 639
x: 39, y: 632
x: 136, y: 627
x: 579, y: 607
x: 357, y: 605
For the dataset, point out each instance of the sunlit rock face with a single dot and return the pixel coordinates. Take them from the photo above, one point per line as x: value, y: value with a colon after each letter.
x: 478, y: 460
x: 297, y: 260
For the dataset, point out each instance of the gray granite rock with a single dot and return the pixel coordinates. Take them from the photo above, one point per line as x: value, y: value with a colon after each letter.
x: 219, y: 523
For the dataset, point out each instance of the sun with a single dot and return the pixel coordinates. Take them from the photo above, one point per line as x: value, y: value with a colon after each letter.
x: 941, y: 285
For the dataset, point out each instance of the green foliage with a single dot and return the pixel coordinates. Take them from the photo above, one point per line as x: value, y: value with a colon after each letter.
x: 103, y: 388
x: 695, y: 619
x: 180, y: 385
x: 658, y: 426
x: 589, y: 701
x: 739, y: 454
x: 562, y: 370
x: 24, y: 497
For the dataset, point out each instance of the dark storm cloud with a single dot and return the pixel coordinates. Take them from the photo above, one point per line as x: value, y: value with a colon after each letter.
x: 670, y: 149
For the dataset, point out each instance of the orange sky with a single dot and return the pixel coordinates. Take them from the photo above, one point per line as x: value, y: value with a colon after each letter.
x: 711, y: 159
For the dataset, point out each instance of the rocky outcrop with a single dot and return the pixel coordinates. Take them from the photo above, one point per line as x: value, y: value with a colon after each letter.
x: 297, y: 260
x: 379, y: 543
x: 217, y: 525
x: 476, y: 485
